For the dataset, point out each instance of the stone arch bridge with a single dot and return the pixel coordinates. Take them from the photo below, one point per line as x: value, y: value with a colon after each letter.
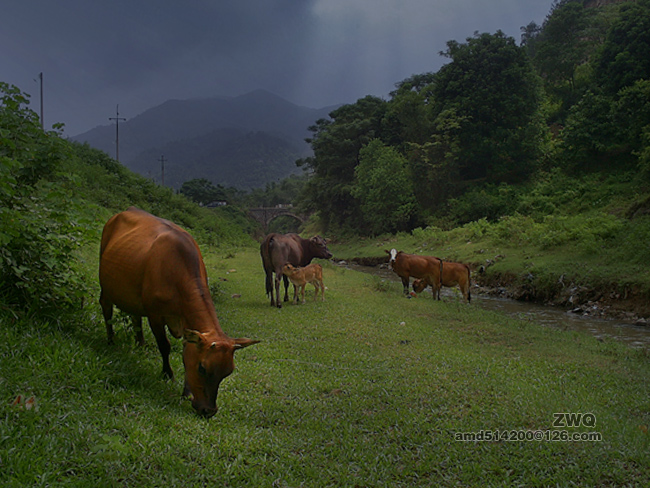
x: 265, y: 215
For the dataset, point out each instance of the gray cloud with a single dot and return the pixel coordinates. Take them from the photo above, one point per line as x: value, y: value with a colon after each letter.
x: 95, y: 55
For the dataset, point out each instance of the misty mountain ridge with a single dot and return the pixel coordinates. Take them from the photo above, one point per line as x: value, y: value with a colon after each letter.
x: 245, y: 141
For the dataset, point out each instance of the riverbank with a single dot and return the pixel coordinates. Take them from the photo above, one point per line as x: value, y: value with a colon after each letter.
x: 562, y: 277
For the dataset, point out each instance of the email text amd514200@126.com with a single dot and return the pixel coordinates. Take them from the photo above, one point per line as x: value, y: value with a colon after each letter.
x: 559, y: 432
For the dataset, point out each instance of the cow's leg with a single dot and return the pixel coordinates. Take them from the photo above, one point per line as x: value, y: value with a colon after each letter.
x: 269, y: 285
x: 158, y: 328
x: 405, y: 284
x: 137, y: 327
x: 302, y: 291
x: 286, y: 288
x: 107, y: 311
x: 316, y: 288
x: 278, y: 278
x: 322, y: 291
x: 464, y: 288
x: 435, y: 288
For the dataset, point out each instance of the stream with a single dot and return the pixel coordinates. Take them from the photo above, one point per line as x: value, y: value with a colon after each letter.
x: 636, y: 336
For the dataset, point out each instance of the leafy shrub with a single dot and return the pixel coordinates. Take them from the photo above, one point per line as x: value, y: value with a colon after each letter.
x: 430, y: 234
x: 490, y: 202
x: 39, y: 220
x: 478, y: 229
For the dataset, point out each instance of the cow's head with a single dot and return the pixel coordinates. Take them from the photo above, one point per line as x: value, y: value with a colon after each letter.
x: 288, y: 269
x: 318, y: 248
x: 207, y: 362
x: 419, y: 285
x: 392, y: 256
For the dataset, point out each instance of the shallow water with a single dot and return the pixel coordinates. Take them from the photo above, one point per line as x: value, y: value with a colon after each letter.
x: 636, y: 336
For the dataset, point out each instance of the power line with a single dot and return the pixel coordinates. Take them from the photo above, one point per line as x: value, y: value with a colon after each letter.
x: 42, y: 122
x: 162, y: 167
x: 40, y: 77
x: 117, y: 119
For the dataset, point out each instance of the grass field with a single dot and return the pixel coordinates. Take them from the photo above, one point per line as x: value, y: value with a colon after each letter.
x: 365, y: 389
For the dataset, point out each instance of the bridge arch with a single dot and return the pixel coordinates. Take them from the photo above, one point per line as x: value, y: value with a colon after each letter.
x: 265, y: 215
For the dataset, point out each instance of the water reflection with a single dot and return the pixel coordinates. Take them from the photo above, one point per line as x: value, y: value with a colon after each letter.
x: 633, y: 335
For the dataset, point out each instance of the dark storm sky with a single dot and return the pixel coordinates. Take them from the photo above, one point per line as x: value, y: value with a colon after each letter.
x: 140, y: 53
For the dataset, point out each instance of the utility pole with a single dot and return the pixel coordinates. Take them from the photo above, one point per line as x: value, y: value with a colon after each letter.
x: 117, y: 119
x: 42, y: 122
x: 162, y: 167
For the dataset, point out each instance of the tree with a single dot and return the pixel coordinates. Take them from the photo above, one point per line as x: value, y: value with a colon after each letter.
x: 562, y: 44
x: 203, y: 191
x: 336, y: 143
x: 588, y: 138
x: 624, y: 57
x: 408, y: 118
x: 384, y: 189
x: 492, y: 89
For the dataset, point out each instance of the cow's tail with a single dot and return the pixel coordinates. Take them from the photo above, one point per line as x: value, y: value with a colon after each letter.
x: 265, y: 251
x: 469, y: 285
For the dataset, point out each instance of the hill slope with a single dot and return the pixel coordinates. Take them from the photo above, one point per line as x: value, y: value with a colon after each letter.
x: 244, y: 141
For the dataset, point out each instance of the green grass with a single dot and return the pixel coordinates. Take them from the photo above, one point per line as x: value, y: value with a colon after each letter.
x: 365, y: 389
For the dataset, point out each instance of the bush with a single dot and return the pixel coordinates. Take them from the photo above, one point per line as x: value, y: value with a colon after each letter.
x: 40, y: 229
x: 490, y: 202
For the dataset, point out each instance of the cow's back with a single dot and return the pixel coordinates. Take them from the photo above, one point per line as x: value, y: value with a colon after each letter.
x: 143, y: 262
x: 415, y: 265
x: 279, y: 249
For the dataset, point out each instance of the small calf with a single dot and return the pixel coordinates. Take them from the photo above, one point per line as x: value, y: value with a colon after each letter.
x: 312, y: 273
x: 453, y: 274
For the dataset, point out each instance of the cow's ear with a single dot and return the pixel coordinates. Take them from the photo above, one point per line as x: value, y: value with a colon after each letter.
x: 244, y: 342
x: 192, y: 336
x: 387, y: 251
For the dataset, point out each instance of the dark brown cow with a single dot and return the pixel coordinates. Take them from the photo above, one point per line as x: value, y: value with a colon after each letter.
x: 453, y: 274
x: 416, y: 266
x: 279, y: 249
x: 150, y: 267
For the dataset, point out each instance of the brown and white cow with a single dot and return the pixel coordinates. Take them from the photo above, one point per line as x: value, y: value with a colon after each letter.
x: 279, y: 249
x: 416, y: 266
x: 453, y: 274
x: 150, y: 267
x: 299, y: 277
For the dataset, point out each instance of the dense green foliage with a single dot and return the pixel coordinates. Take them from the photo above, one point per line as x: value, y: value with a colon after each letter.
x: 383, y: 188
x: 204, y: 192
x: 573, y: 96
x: 40, y: 221
x: 336, y: 144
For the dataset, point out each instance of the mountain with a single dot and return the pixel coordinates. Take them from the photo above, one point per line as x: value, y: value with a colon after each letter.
x: 243, y: 141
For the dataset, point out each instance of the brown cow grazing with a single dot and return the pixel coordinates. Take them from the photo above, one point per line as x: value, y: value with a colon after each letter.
x: 453, y: 274
x: 312, y: 273
x: 279, y: 249
x: 151, y: 267
x: 425, y: 267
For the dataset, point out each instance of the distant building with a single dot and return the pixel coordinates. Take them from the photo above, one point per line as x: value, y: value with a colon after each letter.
x: 218, y: 203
